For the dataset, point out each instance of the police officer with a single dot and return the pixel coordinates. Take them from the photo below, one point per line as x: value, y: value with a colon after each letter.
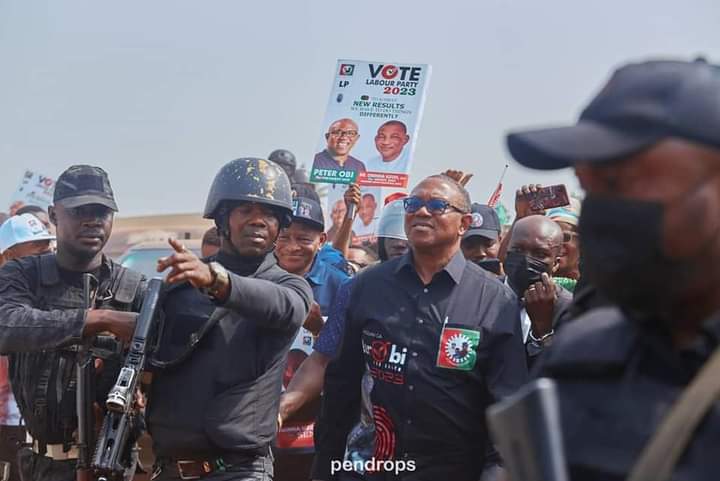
x: 229, y: 325
x: 286, y: 160
x: 42, y: 316
x: 647, y: 152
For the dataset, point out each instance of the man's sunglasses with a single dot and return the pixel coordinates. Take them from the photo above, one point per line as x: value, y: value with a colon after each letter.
x: 434, y: 206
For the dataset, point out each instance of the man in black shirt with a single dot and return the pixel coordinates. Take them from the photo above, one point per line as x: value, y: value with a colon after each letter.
x: 42, y: 319
x: 441, y: 338
x: 229, y: 324
x: 647, y: 152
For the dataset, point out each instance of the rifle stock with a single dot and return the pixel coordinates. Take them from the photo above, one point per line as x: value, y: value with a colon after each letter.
x: 527, y: 432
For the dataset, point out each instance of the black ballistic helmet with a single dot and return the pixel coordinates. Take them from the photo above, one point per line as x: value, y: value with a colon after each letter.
x: 285, y: 159
x: 250, y: 180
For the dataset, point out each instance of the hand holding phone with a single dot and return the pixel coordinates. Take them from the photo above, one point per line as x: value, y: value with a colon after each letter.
x: 534, y: 199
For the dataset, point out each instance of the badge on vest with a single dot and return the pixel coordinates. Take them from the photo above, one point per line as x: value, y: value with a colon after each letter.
x: 458, y: 348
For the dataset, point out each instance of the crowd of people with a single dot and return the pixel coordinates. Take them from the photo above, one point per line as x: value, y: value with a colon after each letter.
x: 415, y: 334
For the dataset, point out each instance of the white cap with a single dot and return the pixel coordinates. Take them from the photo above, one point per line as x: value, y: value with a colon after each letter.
x: 19, y: 229
x: 392, y: 221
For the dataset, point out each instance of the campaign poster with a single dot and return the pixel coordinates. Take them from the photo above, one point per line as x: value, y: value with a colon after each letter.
x: 34, y: 189
x: 371, y: 124
x: 372, y: 201
x: 297, y: 434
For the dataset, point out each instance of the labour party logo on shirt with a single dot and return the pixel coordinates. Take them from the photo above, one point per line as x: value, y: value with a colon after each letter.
x: 458, y: 348
x: 386, y: 360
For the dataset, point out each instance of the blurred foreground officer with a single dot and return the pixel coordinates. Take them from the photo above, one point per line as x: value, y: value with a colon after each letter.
x: 441, y: 339
x: 42, y: 319
x: 647, y: 152
x: 229, y: 325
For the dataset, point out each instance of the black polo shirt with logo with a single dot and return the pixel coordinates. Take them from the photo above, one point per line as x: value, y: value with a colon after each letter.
x: 439, y: 354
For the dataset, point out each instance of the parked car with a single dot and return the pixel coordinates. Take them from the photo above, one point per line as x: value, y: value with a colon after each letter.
x: 143, y: 257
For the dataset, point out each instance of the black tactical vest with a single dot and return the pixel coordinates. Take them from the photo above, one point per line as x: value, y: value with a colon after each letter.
x: 44, y: 382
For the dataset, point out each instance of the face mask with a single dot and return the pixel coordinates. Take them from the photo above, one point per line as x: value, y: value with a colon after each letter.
x: 491, y: 265
x: 522, y: 271
x: 621, y: 245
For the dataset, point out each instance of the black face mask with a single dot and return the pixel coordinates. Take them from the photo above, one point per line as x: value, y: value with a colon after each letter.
x: 490, y: 264
x: 621, y: 245
x: 522, y: 271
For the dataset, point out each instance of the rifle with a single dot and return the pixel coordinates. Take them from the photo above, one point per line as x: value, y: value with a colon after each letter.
x: 85, y: 400
x: 527, y: 433
x: 113, y: 453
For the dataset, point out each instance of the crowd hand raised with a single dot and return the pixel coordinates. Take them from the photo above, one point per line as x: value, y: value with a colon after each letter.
x: 185, y: 266
x: 458, y: 175
x: 352, y: 195
x: 523, y: 206
x: 540, y: 305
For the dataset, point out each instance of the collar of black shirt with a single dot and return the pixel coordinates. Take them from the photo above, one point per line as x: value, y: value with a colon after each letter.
x: 454, y: 268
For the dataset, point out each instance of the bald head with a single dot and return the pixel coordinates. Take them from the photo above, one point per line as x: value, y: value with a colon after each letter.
x: 538, y: 227
x: 539, y: 237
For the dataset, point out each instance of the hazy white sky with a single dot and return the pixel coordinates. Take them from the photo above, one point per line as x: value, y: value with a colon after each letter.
x: 162, y: 93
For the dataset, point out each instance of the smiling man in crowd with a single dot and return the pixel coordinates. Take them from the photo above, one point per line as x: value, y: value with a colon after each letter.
x: 441, y: 339
x: 297, y: 249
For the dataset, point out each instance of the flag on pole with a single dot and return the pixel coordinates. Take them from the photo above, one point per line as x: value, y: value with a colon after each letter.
x: 495, y: 197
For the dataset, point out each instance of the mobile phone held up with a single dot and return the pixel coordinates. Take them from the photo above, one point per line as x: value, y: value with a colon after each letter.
x: 549, y: 197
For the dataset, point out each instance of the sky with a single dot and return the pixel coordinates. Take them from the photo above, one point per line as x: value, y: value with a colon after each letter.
x: 161, y: 94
